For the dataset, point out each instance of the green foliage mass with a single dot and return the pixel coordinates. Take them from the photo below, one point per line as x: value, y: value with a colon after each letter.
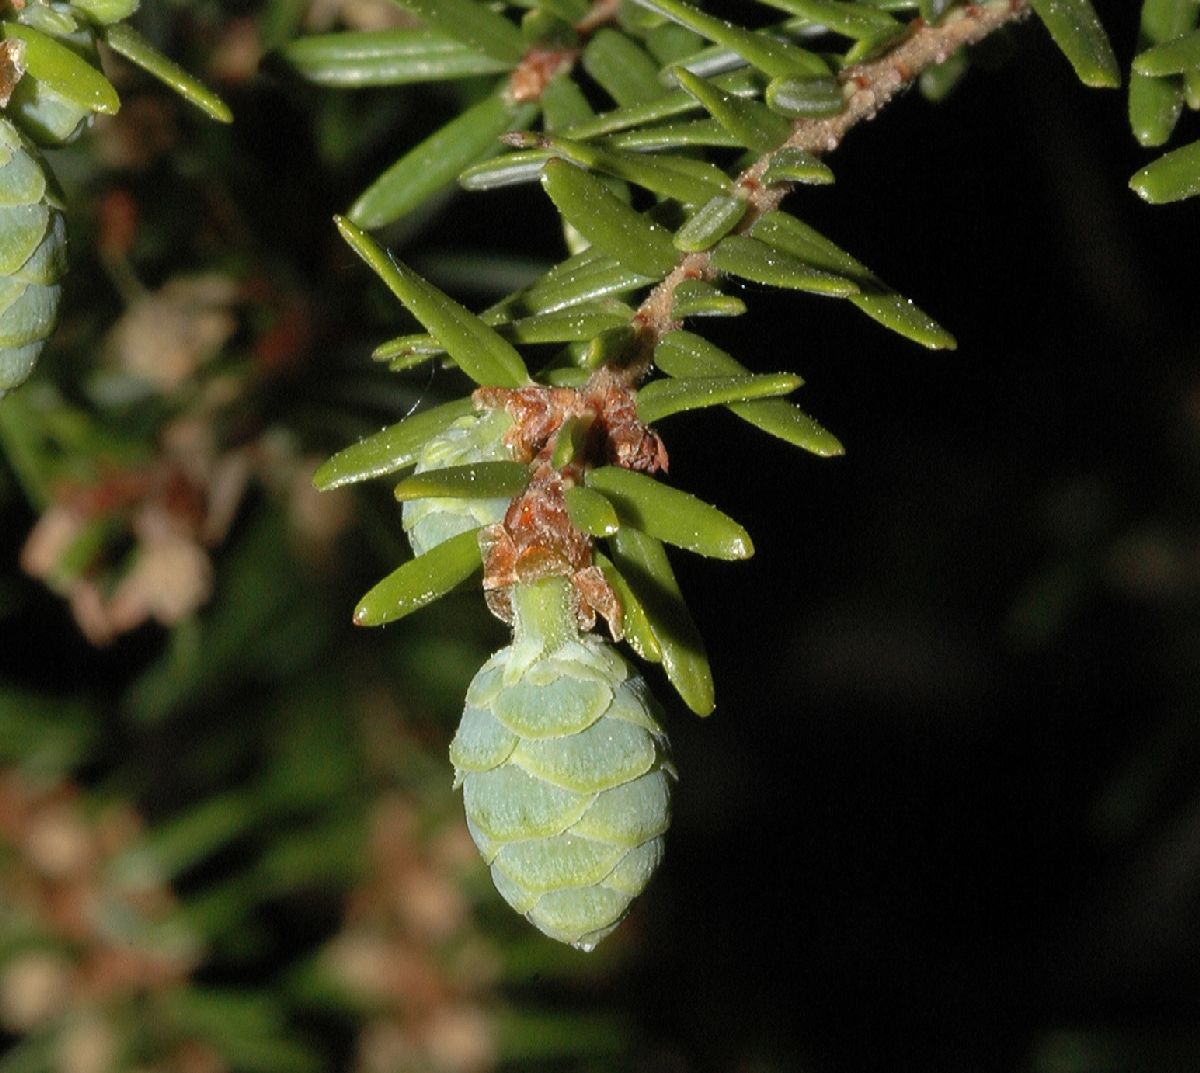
x: 641, y: 183
x: 665, y: 138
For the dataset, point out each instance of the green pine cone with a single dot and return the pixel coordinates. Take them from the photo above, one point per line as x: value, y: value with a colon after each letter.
x: 33, y: 256
x: 565, y: 772
x: 474, y: 438
x: 49, y: 111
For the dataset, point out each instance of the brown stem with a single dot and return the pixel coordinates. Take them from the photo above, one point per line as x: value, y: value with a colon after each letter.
x: 537, y: 537
x: 602, y: 12
x: 12, y: 67
x: 539, y: 66
x: 867, y: 87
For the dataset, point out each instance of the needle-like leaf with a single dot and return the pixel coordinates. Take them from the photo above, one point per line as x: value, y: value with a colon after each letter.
x: 480, y: 352
x: 389, y: 450
x: 1172, y: 58
x: 768, y: 54
x: 125, y: 41
x: 62, y: 70
x: 1077, y: 31
x: 668, y: 514
x: 643, y: 565
x: 792, y: 165
x: 741, y: 255
x: 420, y: 581
x: 696, y: 298
x: 686, y: 355
x: 607, y: 222
x: 582, y: 278
x: 591, y: 513
x: 385, y: 58
x: 710, y: 223
x: 876, y: 299
x: 634, y: 623
x: 473, y: 24
x: 622, y: 67
x: 662, y: 398
x: 436, y: 162
x: 850, y: 20
x: 1172, y: 177
x: 1155, y: 103
x: 478, y: 480
x: 753, y: 124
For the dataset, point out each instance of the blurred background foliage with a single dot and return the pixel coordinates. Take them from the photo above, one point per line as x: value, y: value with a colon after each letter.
x: 946, y: 814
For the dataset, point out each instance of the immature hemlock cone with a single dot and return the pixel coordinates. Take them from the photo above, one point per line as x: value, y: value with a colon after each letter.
x: 33, y: 257
x: 474, y: 438
x: 565, y: 778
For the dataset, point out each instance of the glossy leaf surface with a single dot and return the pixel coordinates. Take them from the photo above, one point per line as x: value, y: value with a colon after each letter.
x: 752, y: 124
x: 687, y: 180
x: 634, y: 623
x: 768, y: 54
x: 875, y: 298
x: 662, y: 398
x: 697, y: 298
x: 508, y: 169
x: 1155, y: 103
x: 805, y: 98
x: 63, y: 70
x: 710, y: 223
x: 792, y: 165
x: 622, y: 67
x: 670, y: 515
x: 473, y: 24
x: 686, y: 355
x: 385, y: 58
x: 436, y: 162
x: 481, y: 353
x: 591, y: 513
x: 127, y: 42
x: 850, y: 20
x: 740, y: 255
x: 1174, y: 57
x: 1172, y: 177
x: 607, y: 222
x: 643, y: 564
x: 574, y: 324
x: 389, y: 450
x: 582, y: 278
x: 1077, y: 31
x: 696, y: 132
x: 420, y: 581
x: 480, y: 480
x: 675, y: 103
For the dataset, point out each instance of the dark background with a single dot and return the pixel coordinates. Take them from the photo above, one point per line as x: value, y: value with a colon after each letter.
x: 945, y: 817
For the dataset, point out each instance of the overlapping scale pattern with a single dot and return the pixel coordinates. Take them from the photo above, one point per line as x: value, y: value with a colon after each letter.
x: 474, y: 438
x: 33, y: 256
x: 566, y: 780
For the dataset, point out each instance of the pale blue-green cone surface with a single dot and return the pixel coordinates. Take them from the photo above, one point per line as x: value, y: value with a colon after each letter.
x: 33, y: 257
x: 474, y: 438
x: 565, y: 772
